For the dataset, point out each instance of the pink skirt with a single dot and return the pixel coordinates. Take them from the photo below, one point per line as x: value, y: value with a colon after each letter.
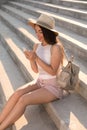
x: 51, y: 85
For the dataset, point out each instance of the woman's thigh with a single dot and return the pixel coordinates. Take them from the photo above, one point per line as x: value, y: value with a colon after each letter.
x: 26, y: 88
x: 38, y: 96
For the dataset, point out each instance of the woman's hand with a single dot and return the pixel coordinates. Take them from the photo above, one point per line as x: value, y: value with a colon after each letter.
x: 30, y: 55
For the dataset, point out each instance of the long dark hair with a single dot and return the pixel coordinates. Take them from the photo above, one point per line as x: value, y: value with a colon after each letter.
x: 49, y: 36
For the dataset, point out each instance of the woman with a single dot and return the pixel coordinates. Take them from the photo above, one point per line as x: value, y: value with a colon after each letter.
x: 45, y: 58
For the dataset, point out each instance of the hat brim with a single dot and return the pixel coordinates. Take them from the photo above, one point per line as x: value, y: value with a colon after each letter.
x: 33, y: 22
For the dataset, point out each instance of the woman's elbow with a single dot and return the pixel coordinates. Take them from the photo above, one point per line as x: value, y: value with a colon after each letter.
x: 53, y: 73
x: 35, y: 70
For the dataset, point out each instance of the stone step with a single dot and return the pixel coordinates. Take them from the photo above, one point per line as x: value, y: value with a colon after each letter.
x: 69, y: 113
x: 6, y: 65
x: 76, y: 13
x: 10, y: 66
x: 16, y: 25
x: 10, y: 41
x: 75, y: 25
x: 70, y: 39
x: 78, y: 4
x: 74, y: 3
x: 36, y: 118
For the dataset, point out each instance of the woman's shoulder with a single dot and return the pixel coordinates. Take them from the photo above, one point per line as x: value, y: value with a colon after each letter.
x: 56, y: 46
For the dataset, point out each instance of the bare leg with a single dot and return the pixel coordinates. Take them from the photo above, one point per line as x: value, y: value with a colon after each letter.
x: 36, y: 97
x: 14, y: 99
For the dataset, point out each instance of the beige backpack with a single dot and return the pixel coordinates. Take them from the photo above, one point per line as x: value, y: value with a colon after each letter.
x: 68, y: 77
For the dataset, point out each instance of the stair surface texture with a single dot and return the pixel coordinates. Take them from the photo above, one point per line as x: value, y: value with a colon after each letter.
x: 69, y: 113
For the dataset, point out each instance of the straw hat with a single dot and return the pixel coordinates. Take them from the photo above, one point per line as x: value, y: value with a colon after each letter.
x: 45, y: 21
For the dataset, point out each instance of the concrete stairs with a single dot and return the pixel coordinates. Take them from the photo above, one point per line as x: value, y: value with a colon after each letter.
x: 71, y: 22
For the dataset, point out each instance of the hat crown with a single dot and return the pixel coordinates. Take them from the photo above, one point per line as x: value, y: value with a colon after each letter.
x: 46, y: 21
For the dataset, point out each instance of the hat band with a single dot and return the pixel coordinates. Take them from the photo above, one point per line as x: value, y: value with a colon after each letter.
x: 44, y: 24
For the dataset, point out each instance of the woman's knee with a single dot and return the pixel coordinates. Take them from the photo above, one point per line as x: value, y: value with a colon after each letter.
x: 17, y: 94
x: 22, y: 101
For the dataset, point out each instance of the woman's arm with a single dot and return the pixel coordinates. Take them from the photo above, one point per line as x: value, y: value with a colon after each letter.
x: 33, y: 62
x: 55, y: 61
x: 31, y: 56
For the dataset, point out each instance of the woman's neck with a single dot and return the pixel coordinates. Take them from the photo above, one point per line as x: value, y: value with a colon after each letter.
x: 44, y: 43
